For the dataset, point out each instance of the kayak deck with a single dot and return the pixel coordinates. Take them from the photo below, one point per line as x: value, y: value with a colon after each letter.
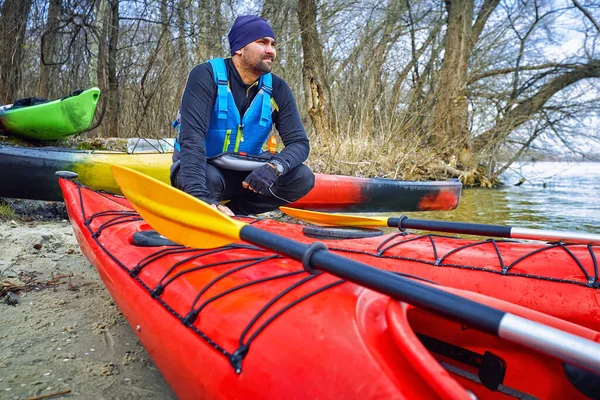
x: 238, y: 320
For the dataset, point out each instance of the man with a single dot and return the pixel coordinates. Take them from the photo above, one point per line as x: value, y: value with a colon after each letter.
x: 230, y: 105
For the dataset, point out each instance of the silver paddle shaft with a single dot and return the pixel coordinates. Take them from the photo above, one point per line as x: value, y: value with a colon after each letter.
x: 555, y: 236
x: 560, y: 344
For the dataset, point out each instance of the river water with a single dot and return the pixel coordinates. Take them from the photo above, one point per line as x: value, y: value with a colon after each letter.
x: 555, y: 195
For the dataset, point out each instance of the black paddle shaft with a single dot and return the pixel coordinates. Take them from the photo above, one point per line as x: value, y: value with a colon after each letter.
x: 452, y: 227
x: 457, y: 308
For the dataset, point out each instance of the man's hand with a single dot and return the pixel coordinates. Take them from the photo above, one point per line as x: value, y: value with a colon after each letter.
x: 260, y: 179
x: 224, y: 209
x: 215, y: 204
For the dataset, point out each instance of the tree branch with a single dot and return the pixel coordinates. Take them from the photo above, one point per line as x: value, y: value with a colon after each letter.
x: 587, y: 14
x: 510, y: 70
x: 530, y: 106
x: 482, y: 17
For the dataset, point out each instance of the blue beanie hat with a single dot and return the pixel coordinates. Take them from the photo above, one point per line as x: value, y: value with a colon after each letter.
x: 246, y: 29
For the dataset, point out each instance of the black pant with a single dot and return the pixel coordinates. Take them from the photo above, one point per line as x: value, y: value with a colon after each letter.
x: 225, y: 184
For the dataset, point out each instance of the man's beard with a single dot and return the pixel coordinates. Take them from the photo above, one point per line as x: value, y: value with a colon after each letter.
x: 263, y: 66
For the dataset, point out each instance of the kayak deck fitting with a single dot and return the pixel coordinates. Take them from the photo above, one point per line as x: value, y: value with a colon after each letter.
x: 241, y: 321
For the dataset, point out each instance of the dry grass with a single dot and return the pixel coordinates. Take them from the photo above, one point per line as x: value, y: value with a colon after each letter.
x: 391, y: 146
x: 6, y: 212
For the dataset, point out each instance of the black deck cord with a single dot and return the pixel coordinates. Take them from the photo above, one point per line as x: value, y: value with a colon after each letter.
x: 474, y: 268
x: 238, y: 356
x: 158, y: 290
x: 253, y: 261
x: 595, y: 262
x: 82, y: 186
x: 157, y: 255
x: 389, y: 239
x: 206, y: 253
x: 84, y: 218
x: 190, y: 318
x: 109, y: 195
x: 272, y: 301
x: 115, y: 221
x: 569, y: 252
x: 180, y: 250
x: 416, y: 278
x: 110, y: 213
x: 381, y: 250
x: 202, y: 335
x: 503, y: 268
x: 138, y: 268
x: 591, y: 281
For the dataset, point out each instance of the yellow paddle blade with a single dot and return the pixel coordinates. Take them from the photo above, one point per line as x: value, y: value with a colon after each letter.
x: 174, y: 214
x: 321, y: 218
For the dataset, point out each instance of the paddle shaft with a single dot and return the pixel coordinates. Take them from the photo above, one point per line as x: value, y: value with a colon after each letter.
x: 577, y: 350
x: 495, y: 230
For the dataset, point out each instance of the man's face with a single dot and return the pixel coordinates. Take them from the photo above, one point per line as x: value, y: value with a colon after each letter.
x: 259, y: 55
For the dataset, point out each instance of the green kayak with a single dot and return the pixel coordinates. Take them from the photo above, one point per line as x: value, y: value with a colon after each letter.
x: 54, y: 119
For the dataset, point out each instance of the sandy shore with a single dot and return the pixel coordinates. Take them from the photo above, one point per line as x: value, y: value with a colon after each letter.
x: 65, y: 333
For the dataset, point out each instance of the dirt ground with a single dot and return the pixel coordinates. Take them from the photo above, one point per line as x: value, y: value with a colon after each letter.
x: 63, y: 333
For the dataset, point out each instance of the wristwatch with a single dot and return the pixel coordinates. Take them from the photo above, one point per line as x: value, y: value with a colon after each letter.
x: 277, y: 166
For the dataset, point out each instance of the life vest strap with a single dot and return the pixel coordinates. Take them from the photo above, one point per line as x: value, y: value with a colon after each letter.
x: 267, y: 87
x: 220, y: 74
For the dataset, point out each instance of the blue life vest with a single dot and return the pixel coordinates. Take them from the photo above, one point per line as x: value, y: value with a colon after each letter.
x: 227, y: 132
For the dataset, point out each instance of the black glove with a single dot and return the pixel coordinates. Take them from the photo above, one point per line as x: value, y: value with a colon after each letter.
x: 261, y: 179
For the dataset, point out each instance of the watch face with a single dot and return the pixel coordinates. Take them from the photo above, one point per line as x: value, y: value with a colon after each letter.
x: 278, y: 167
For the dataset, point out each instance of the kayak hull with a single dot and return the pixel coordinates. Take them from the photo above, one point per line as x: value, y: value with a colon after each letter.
x: 54, y: 119
x: 331, y: 192
x: 242, y: 322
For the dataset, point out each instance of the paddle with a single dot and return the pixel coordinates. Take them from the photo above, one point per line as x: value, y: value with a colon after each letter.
x: 321, y: 218
x: 191, y: 222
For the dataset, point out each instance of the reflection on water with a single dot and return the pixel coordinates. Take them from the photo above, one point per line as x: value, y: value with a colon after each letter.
x: 555, y: 195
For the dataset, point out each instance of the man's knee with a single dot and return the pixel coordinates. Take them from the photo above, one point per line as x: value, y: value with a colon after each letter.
x: 307, y: 179
x: 296, y: 183
x: 215, y: 182
x: 174, y: 175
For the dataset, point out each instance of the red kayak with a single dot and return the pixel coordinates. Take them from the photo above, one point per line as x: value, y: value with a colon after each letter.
x: 243, y: 322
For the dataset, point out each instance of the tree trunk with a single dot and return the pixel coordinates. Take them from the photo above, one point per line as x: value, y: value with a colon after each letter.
x: 13, y: 25
x: 182, y: 47
x: 377, y: 56
x: 217, y: 31
x: 203, y: 17
x: 451, y: 110
x: 48, y: 70
x: 113, y: 84
x: 316, y: 90
x: 98, y: 46
x: 165, y: 35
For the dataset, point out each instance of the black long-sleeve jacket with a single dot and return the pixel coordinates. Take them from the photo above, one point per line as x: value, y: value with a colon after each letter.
x: 197, y: 104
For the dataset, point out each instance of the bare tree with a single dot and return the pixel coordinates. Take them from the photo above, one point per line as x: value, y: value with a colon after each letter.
x: 13, y: 24
x: 49, y: 50
x: 316, y: 89
x: 529, y: 106
x: 113, y: 83
x: 451, y: 109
